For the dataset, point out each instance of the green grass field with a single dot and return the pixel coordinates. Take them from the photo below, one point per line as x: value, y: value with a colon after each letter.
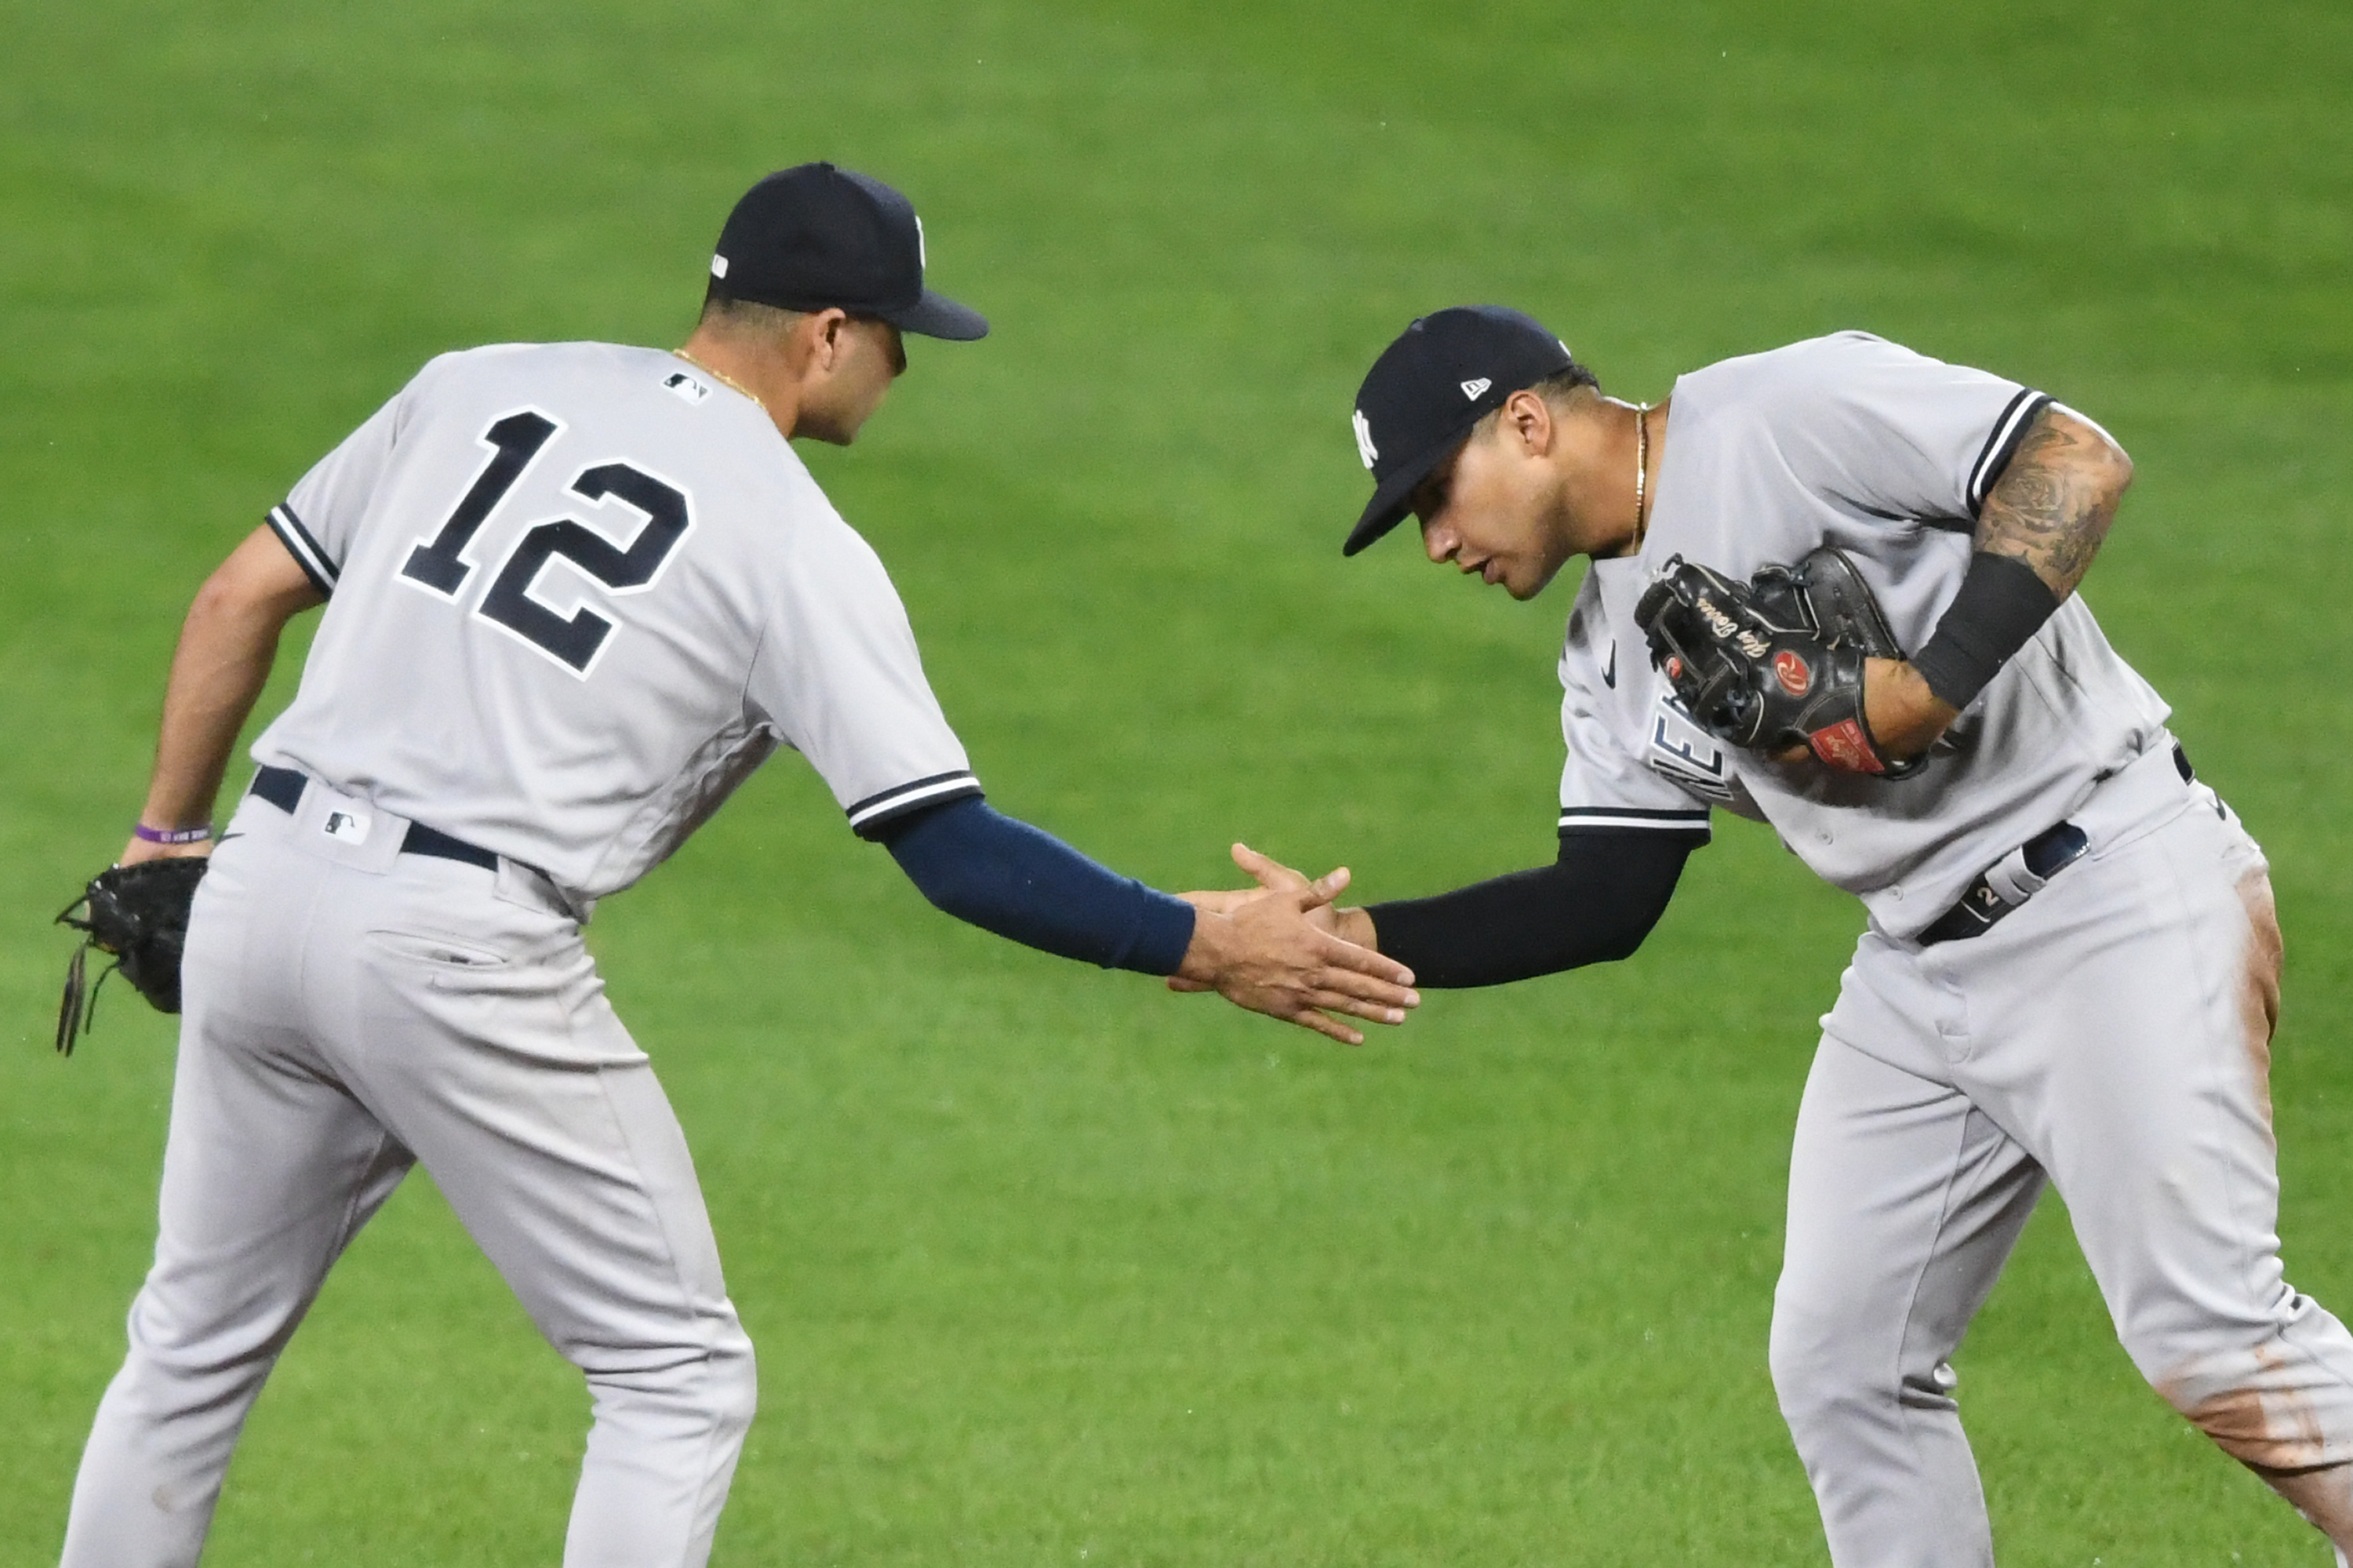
x: 1045, y: 1266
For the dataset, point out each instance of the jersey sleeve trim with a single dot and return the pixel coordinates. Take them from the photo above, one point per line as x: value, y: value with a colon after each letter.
x: 870, y: 816
x: 2001, y: 445
x: 305, y: 550
x: 1580, y: 820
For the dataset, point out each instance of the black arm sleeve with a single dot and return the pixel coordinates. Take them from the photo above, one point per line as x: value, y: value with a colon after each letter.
x: 1595, y: 904
x: 2002, y: 602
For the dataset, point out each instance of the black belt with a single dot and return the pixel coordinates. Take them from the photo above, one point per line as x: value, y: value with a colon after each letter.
x: 2044, y: 856
x: 282, y: 788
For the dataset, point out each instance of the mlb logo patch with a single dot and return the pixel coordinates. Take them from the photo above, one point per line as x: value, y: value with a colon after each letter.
x: 347, y: 827
x: 685, y: 385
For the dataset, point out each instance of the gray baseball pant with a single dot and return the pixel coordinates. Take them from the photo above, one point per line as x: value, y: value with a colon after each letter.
x: 2112, y: 1037
x: 352, y: 1009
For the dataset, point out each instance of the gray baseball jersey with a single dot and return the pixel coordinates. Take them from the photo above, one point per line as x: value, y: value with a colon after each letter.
x: 579, y: 592
x: 1854, y: 441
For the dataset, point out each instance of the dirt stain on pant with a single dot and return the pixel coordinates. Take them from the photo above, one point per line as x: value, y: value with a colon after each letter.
x: 2272, y: 1431
x: 2259, y: 991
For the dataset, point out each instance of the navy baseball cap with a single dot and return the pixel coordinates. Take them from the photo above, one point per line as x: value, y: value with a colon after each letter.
x: 815, y: 237
x: 1418, y: 401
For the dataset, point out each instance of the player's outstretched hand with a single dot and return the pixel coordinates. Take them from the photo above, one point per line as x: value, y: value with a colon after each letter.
x: 1273, y: 951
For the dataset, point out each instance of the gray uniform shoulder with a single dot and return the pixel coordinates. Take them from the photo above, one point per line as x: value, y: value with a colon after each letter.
x: 1863, y: 423
x: 1797, y: 378
x: 1831, y: 347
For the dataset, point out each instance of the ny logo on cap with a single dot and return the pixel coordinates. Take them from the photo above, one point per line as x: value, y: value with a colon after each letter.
x: 1365, y: 448
x: 1471, y: 390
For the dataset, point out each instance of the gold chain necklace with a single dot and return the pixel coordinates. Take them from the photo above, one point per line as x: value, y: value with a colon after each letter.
x: 714, y: 370
x: 1641, y: 471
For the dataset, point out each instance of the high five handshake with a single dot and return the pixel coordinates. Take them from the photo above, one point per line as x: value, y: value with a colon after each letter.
x: 1281, y: 950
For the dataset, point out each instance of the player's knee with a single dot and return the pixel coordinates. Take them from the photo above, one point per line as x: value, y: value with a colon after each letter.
x: 180, y: 1344
x: 1828, y: 1365
x: 1812, y: 1363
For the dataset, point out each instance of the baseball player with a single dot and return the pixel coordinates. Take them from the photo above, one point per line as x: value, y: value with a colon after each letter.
x: 575, y: 593
x: 2070, y: 972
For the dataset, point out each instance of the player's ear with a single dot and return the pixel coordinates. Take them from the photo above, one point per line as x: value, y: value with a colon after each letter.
x: 827, y: 336
x: 1529, y: 421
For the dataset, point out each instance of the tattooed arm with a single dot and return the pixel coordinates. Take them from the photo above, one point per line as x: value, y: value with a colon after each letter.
x: 2049, y: 511
x: 2054, y: 504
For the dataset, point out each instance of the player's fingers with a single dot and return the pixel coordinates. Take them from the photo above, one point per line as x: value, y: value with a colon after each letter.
x: 1360, y: 972
x: 1331, y: 1028
x: 1367, y: 1008
x: 1180, y: 983
x: 1359, y: 994
x: 1268, y: 871
x: 1363, y: 988
x: 1338, y: 953
x: 1325, y: 888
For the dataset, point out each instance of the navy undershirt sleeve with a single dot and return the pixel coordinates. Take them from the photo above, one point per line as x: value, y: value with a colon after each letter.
x: 1593, y: 905
x: 1005, y: 877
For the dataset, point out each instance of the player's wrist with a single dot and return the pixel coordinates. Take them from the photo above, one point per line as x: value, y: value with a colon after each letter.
x: 1210, y: 951
x: 1901, y: 713
x: 171, y: 836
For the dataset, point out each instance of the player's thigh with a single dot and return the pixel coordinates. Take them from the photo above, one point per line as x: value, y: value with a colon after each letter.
x: 2142, y: 1061
x: 1905, y: 1200
x: 492, y: 1051
x: 584, y: 1198
x: 271, y: 1164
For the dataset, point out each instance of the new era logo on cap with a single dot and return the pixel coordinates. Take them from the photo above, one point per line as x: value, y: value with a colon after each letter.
x: 1471, y: 390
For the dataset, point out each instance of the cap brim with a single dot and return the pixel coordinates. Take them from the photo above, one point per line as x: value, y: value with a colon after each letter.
x: 936, y: 315
x: 1387, y: 507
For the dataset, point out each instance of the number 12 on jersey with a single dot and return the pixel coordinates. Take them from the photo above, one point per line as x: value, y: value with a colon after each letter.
x: 515, y: 441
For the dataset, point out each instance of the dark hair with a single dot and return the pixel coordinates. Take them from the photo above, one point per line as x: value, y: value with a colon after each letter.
x: 1560, y: 385
x: 722, y: 308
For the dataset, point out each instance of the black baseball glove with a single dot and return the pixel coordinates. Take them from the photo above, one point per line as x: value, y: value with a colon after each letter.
x: 138, y: 916
x: 1777, y: 661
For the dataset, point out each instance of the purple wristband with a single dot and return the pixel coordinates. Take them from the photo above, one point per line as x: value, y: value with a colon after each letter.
x: 146, y: 834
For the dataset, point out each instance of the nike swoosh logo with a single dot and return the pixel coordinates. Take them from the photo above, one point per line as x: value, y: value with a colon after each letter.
x: 1609, y: 671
